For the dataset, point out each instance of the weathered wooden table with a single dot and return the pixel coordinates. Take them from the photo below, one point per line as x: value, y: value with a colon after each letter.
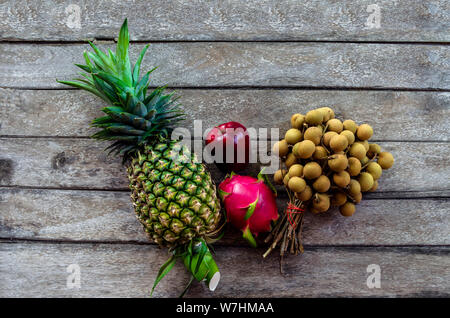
x: 63, y: 202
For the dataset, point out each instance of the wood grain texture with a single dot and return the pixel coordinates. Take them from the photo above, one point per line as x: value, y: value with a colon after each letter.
x: 413, y: 20
x: 216, y: 64
x: 395, y: 116
x: 39, y: 270
x: 82, y: 163
x: 109, y: 217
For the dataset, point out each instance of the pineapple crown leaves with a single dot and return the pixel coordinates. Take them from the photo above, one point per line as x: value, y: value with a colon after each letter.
x: 134, y: 116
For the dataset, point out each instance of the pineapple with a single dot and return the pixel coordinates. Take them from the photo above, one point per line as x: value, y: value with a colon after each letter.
x: 172, y: 193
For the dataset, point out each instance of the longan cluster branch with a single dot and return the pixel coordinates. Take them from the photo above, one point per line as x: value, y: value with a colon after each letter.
x: 327, y: 163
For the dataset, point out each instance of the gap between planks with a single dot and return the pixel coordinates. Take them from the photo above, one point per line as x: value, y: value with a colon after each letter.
x: 380, y: 195
x: 352, y: 247
x: 261, y: 88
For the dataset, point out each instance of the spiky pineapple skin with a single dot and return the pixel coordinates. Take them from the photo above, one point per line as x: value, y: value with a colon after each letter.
x: 173, y: 194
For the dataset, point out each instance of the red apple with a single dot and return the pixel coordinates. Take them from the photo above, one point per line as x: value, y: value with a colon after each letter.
x: 235, y: 135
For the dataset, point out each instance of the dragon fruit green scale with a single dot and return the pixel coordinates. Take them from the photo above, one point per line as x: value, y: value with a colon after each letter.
x: 249, y: 204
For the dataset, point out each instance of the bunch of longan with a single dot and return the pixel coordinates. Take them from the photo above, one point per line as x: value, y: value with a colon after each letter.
x: 328, y: 162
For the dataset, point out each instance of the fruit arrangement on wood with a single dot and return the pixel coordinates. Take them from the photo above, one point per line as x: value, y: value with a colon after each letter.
x: 326, y: 163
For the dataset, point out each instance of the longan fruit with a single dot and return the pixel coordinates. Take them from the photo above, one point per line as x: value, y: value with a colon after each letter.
x: 341, y: 179
x: 293, y: 118
x: 281, y: 148
x: 293, y: 136
x: 350, y: 125
x: 296, y: 170
x: 349, y: 135
x: 327, y: 137
x: 327, y: 113
x: 374, y: 169
x: 354, y: 187
x: 364, y: 132
x: 296, y: 184
x: 366, y: 181
x: 290, y: 160
x: 338, y: 199
x: 357, y: 150
x: 305, y: 149
x: 286, y: 179
x: 305, y: 195
x: 385, y: 160
x: 375, y: 186
x: 357, y: 198
x: 314, y: 117
x: 299, y: 121
x: 365, y: 160
x: 320, y: 153
x: 338, y: 162
x: 331, y: 112
x: 338, y: 143
x: 365, y: 143
x: 279, y: 175
x: 312, y: 170
x: 347, y: 209
x: 314, y: 134
x: 335, y: 125
x: 321, y: 202
x: 322, y: 184
x: 374, y: 149
x: 354, y: 166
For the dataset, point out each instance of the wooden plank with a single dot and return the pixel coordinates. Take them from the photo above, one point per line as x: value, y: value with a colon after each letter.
x: 235, y: 64
x: 413, y: 20
x: 393, y: 115
x: 82, y: 163
x: 108, y: 217
x: 40, y: 270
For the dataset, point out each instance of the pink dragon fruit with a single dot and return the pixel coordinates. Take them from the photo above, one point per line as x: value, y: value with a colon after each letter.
x: 249, y: 203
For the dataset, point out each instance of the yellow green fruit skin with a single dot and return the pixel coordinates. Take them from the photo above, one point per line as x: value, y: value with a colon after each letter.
x: 338, y: 199
x: 296, y: 170
x: 341, y: 179
x: 322, y: 184
x: 322, y: 203
x: 281, y: 148
x: 290, y: 160
x: 364, y: 132
x: 312, y: 170
x: 293, y: 136
x: 358, y: 151
x: 314, y: 117
x: 375, y: 170
x: 385, y: 160
x: 338, y: 143
x: 338, y: 163
x: 350, y: 125
x: 305, y: 149
x: 354, y: 187
x: 354, y: 166
x: 366, y: 181
x: 349, y: 135
x: 305, y: 195
x: 296, y: 184
x: 347, y: 209
x: 335, y: 125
